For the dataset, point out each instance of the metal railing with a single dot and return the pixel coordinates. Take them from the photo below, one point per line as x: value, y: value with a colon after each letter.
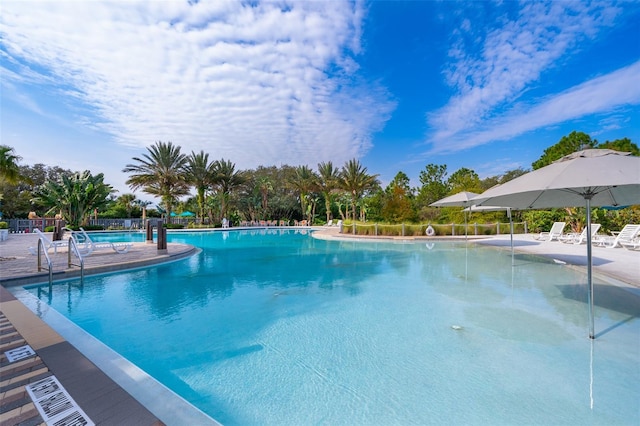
x: 73, y: 247
x: 41, y: 250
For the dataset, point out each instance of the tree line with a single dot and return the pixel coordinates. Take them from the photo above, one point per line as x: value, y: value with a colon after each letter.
x: 215, y: 189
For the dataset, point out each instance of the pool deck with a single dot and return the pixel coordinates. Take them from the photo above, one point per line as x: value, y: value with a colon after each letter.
x: 97, y: 394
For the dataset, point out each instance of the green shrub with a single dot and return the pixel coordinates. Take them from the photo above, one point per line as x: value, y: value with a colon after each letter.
x: 193, y: 225
x: 414, y: 230
x: 173, y: 226
x: 367, y: 230
x: 441, y: 229
x: 49, y: 228
x: 542, y: 220
x: 389, y: 230
x: 4, y: 225
x: 85, y: 227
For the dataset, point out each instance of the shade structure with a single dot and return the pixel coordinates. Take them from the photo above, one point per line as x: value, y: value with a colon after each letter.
x: 187, y: 214
x: 604, y: 176
x: 590, y: 178
x: 461, y: 199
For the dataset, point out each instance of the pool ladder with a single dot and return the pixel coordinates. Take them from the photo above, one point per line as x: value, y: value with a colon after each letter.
x: 72, y: 247
x: 49, y: 262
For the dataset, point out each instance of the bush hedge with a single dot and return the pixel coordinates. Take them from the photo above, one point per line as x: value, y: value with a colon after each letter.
x: 173, y: 226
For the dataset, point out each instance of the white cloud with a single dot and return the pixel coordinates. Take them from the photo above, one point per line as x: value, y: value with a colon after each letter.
x: 498, y: 167
x: 604, y: 93
x: 491, y: 71
x: 270, y: 83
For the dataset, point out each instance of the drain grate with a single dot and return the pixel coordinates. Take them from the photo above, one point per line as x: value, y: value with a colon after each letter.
x: 55, y: 405
x: 22, y: 352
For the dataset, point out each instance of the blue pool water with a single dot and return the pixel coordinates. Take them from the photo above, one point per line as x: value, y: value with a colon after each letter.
x: 283, y: 329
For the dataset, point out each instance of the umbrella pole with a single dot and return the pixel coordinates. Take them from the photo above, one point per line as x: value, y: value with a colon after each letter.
x: 589, y: 266
x: 511, y: 229
x: 465, y: 225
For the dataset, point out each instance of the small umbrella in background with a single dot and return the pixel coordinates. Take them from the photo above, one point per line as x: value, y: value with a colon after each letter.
x: 187, y: 214
x: 461, y: 199
x: 593, y: 178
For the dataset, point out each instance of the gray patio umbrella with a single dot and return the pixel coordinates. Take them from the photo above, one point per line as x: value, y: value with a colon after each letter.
x: 593, y: 178
x: 461, y: 199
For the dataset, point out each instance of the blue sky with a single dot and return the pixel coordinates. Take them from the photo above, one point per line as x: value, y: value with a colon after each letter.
x: 482, y: 85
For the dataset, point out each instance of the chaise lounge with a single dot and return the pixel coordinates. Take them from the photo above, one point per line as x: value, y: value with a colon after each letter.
x: 554, y: 233
x: 580, y: 238
x: 625, y: 238
x: 47, y: 243
x: 86, y: 245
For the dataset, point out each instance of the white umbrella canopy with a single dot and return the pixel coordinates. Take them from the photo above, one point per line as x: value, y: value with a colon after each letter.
x: 593, y: 178
x: 476, y: 208
x: 604, y: 176
x: 461, y: 199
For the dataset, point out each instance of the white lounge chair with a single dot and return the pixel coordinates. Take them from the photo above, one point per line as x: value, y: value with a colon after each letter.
x: 86, y: 245
x: 580, y: 238
x: 631, y: 245
x: 626, y: 237
x: 554, y: 233
x: 47, y: 243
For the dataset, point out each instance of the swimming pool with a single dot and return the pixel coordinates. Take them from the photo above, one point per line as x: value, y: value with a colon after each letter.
x: 281, y: 328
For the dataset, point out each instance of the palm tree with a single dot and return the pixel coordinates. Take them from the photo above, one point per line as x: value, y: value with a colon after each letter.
x: 9, y: 169
x: 356, y: 181
x: 75, y: 196
x: 264, y: 185
x: 143, y: 206
x: 200, y: 173
x: 160, y: 172
x: 328, y: 182
x: 226, y: 179
x: 303, y: 182
x: 127, y: 201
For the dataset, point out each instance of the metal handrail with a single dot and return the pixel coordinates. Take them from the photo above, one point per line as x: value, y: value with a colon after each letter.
x: 73, y: 246
x: 41, y: 249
